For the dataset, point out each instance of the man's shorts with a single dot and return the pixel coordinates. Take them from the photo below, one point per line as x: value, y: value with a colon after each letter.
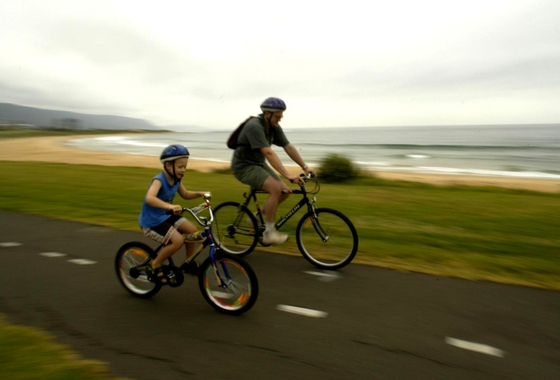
x: 162, y: 233
x: 255, y: 175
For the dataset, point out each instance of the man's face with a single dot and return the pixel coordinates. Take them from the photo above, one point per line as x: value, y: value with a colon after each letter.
x: 276, y: 117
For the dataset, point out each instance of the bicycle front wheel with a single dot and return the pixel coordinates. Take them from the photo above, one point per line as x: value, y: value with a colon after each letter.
x: 135, y: 281
x: 235, y: 228
x: 327, y: 238
x: 231, y: 286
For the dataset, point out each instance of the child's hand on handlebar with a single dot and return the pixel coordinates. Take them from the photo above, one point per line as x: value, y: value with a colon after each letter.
x: 175, y: 209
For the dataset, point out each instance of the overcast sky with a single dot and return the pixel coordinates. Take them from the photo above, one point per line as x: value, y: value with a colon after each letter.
x: 335, y: 63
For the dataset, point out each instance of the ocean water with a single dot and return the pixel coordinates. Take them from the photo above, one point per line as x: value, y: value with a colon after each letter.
x: 531, y: 151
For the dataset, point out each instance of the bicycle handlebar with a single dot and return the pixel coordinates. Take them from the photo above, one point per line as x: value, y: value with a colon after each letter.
x: 203, y: 221
x: 305, y: 178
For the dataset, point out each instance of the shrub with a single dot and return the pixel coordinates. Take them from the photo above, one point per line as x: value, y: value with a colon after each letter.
x: 335, y: 169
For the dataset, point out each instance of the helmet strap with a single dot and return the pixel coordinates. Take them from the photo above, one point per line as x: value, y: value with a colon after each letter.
x: 268, y: 122
x: 175, y: 179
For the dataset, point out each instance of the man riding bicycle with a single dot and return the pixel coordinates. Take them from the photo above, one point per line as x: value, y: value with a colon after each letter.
x: 249, y: 162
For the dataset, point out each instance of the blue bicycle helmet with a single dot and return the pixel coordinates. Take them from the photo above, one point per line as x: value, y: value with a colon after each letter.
x: 273, y: 105
x: 173, y: 152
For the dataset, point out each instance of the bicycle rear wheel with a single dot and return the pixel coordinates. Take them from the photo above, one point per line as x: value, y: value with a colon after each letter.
x: 329, y: 240
x: 238, y: 289
x: 135, y: 281
x: 235, y: 228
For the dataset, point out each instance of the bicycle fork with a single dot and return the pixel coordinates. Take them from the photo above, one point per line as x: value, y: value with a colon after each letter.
x: 317, y: 225
x: 212, y: 254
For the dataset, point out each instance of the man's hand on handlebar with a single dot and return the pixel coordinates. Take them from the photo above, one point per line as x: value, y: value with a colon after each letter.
x: 293, y: 178
x: 309, y: 171
x: 302, y: 178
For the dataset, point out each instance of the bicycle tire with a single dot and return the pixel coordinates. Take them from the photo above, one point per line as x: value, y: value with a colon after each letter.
x: 128, y: 257
x: 235, y: 228
x: 240, y: 288
x: 339, y: 245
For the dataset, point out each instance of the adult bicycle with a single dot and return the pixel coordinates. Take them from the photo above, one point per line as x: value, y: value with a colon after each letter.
x: 227, y: 282
x: 324, y: 236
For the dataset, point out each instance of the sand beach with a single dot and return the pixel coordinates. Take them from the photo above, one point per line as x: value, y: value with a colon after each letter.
x: 53, y: 149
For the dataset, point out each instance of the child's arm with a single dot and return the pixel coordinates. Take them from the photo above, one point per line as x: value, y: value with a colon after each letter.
x: 154, y: 201
x: 185, y: 194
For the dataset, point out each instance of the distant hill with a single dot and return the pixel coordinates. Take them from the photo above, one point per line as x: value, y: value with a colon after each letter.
x: 11, y: 114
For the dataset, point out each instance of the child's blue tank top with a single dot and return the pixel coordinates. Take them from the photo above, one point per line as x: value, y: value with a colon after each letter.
x: 153, y: 216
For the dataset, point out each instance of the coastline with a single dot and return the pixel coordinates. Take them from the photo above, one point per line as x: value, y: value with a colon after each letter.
x: 52, y: 149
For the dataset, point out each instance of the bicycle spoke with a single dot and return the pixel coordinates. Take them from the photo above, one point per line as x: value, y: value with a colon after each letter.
x: 234, y: 229
x: 128, y: 263
x: 238, y: 288
x: 328, y: 241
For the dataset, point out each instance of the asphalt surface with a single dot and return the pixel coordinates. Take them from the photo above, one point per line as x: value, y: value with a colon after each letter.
x: 357, y: 323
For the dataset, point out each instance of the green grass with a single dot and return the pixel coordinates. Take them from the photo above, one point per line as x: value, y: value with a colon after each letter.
x: 29, y: 353
x: 493, y: 234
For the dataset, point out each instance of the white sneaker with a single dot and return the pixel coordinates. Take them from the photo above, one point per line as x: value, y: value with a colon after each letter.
x: 274, y: 237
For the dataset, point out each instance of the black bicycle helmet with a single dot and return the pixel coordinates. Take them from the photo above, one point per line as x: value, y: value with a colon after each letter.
x: 273, y: 105
x: 173, y: 152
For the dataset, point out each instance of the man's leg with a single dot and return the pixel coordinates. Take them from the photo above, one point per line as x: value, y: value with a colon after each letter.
x: 274, y: 187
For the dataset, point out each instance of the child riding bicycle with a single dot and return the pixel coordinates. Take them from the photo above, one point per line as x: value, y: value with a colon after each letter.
x: 160, y: 218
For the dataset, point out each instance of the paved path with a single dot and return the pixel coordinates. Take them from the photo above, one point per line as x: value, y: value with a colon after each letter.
x: 358, y: 323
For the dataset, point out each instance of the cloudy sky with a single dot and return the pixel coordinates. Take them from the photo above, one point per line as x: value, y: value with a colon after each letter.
x: 335, y: 63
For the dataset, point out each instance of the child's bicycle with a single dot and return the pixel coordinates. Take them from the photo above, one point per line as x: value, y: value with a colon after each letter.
x: 227, y: 282
x: 325, y: 237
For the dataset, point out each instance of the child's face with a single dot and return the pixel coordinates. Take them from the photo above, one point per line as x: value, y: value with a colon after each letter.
x: 181, y: 166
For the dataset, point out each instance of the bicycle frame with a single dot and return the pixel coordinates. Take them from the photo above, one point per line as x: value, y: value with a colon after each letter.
x: 282, y: 220
x: 209, y: 241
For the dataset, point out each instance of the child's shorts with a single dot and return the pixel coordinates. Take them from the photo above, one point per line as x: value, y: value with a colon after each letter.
x: 162, y: 233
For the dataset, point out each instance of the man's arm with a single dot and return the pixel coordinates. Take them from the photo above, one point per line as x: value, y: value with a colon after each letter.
x: 295, y: 156
x: 275, y: 162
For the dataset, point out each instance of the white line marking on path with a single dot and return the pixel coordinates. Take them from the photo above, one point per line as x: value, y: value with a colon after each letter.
x: 477, y: 347
x: 302, y: 311
x: 52, y: 254
x: 324, y: 276
x: 10, y: 244
x: 82, y: 261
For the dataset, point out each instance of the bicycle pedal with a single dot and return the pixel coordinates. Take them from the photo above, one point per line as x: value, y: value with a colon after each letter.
x: 174, y: 277
x: 190, y: 268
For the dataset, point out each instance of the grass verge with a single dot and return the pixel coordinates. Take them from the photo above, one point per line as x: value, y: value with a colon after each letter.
x: 29, y: 353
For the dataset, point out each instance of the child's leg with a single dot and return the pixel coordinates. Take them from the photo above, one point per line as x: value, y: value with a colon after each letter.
x: 188, y: 228
x: 175, y: 243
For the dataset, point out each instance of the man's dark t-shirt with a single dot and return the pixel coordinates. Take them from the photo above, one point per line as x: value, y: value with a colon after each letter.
x: 252, y: 138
